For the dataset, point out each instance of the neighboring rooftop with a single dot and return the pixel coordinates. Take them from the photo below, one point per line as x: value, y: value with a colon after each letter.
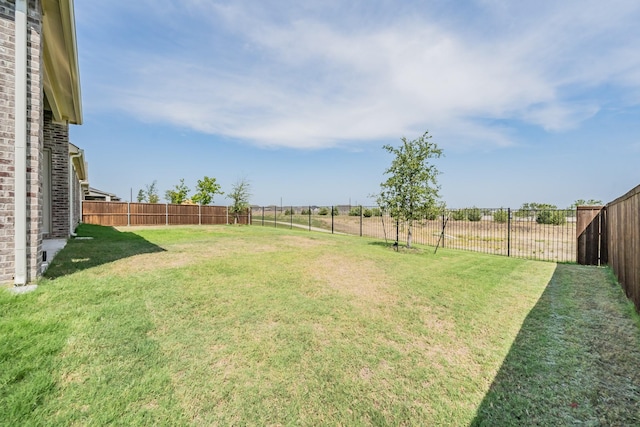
x: 95, y: 194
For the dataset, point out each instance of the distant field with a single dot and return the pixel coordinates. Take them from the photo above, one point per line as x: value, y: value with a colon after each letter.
x: 238, y: 325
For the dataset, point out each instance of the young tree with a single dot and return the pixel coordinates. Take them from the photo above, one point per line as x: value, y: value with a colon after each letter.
x: 141, y: 196
x: 411, y: 190
x: 240, y: 193
x: 179, y: 193
x: 205, y: 190
x: 152, y: 193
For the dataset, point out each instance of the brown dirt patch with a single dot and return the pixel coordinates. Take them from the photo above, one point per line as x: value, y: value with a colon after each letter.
x: 302, y: 242
x: 360, y: 279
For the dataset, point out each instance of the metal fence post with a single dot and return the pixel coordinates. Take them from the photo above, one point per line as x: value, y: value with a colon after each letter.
x: 508, y: 231
x: 291, y: 217
x: 360, y: 220
x: 227, y: 215
x: 309, y: 217
x: 444, y: 224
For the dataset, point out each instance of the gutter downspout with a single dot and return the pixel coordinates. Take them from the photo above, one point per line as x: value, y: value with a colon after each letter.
x: 20, y: 161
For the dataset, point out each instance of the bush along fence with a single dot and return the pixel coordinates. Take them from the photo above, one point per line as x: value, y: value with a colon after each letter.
x: 548, y: 235
x: 123, y: 213
x: 611, y: 235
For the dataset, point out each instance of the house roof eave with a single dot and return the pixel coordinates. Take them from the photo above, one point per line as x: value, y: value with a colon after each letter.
x: 61, y: 77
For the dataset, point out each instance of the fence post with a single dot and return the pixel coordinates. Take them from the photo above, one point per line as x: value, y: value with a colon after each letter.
x: 444, y: 224
x: 331, y: 219
x: 263, y: 216
x: 360, y: 220
x: 291, y: 217
x: 199, y: 214
x: 589, y: 234
x: 508, y: 231
x: 227, y: 215
x: 166, y: 213
x: 309, y: 217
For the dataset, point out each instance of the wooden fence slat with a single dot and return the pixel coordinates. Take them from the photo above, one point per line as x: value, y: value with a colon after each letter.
x: 623, y: 242
x: 122, y: 213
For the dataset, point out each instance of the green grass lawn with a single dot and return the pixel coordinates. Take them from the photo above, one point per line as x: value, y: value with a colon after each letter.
x: 227, y: 325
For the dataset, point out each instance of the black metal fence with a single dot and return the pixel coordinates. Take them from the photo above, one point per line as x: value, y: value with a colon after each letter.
x: 548, y: 235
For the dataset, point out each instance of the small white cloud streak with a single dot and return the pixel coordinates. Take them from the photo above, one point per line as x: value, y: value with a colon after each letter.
x: 309, y: 84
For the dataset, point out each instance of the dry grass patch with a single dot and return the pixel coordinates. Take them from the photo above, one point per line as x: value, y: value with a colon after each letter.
x: 303, y: 242
x: 360, y: 279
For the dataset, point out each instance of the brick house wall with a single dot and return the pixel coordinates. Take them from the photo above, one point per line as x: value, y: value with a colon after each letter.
x: 35, y: 99
x: 56, y: 139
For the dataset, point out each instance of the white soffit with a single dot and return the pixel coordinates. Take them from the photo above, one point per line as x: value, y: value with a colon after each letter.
x: 61, y: 79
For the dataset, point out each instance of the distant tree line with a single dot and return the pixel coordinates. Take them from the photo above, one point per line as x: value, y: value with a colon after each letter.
x: 543, y: 213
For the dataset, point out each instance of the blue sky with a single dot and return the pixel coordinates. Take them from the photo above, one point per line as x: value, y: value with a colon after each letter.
x: 531, y: 101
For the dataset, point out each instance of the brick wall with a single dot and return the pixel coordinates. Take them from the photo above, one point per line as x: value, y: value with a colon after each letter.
x: 56, y: 138
x: 35, y: 94
x: 7, y: 137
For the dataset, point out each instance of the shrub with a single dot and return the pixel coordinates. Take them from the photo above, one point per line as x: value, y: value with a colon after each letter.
x: 288, y: 212
x: 355, y: 211
x: 432, y: 213
x: 376, y: 212
x: 323, y: 211
x: 551, y: 217
x: 335, y: 211
x: 367, y: 213
x: 304, y: 212
x: 459, y: 215
x: 474, y: 214
x: 501, y: 216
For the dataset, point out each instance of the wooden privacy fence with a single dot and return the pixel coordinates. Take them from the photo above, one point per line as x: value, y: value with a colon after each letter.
x: 623, y: 218
x: 122, y: 213
x: 611, y: 235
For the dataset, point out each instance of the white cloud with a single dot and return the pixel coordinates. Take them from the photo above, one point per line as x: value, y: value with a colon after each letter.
x: 307, y: 82
x: 558, y: 116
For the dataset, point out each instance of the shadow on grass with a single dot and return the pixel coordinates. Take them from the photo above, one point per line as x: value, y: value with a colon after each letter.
x: 106, y: 245
x: 402, y: 247
x: 388, y: 244
x: 574, y: 360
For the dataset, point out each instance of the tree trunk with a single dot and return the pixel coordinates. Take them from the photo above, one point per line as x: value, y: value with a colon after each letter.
x: 409, y: 236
